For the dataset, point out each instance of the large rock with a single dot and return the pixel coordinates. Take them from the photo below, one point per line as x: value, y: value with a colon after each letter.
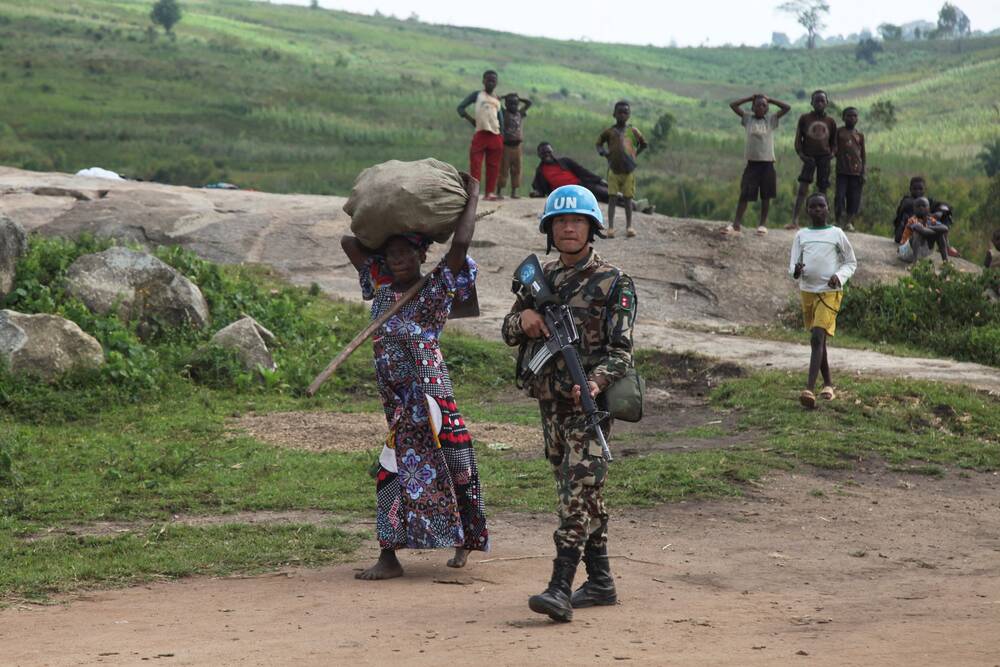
x: 250, y: 340
x: 140, y: 286
x: 13, y: 246
x: 45, y: 346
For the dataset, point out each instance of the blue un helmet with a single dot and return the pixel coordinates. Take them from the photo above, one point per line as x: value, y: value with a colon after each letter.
x: 571, y: 199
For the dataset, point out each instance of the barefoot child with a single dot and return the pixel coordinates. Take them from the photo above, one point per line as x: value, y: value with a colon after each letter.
x: 816, y: 144
x: 822, y: 260
x: 624, y: 144
x: 759, y: 175
x: 515, y: 109
x: 851, y: 163
x: 427, y: 484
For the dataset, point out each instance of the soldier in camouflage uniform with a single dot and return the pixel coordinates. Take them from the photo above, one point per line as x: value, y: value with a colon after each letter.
x: 602, y: 300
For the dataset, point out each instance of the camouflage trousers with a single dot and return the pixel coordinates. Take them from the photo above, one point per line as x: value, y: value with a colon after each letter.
x: 580, y: 471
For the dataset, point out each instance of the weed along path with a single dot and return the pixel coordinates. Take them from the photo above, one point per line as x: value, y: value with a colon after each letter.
x: 685, y: 273
x: 861, y: 569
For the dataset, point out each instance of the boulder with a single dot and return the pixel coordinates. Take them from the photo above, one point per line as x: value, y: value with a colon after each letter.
x: 250, y: 340
x: 139, y: 286
x: 45, y: 346
x: 13, y: 246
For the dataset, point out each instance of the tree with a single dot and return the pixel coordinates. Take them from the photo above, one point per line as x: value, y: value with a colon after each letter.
x: 809, y: 14
x: 890, y: 32
x: 166, y: 13
x: 884, y: 112
x: 314, y: 4
x: 989, y: 157
x: 661, y: 131
x: 866, y: 50
x: 952, y: 22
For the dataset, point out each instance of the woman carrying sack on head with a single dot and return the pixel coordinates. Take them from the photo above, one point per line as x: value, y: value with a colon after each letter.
x: 427, y: 481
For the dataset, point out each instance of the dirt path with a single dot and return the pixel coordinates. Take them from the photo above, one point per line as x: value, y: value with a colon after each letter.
x: 873, y: 569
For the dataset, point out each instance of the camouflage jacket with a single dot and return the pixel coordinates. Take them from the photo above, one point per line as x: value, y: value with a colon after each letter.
x: 603, y: 302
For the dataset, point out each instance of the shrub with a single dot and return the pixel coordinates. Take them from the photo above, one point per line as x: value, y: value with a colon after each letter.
x: 948, y: 311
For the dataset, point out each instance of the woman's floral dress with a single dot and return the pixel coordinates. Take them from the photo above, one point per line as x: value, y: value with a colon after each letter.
x: 427, y: 484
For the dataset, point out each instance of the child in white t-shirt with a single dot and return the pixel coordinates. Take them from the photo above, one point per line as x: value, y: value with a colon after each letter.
x: 822, y: 260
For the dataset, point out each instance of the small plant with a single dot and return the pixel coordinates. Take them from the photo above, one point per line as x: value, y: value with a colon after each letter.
x: 884, y: 113
x: 989, y: 157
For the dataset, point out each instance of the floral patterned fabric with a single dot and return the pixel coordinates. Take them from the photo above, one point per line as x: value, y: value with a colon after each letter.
x: 432, y: 499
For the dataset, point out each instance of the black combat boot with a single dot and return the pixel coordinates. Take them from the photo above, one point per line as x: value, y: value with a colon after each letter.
x: 599, y: 589
x: 555, y: 600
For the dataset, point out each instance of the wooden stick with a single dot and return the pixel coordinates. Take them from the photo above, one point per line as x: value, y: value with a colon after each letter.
x: 363, y: 336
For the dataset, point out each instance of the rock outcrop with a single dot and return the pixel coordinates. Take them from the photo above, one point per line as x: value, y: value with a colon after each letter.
x: 250, y: 339
x: 45, y: 346
x: 13, y: 246
x: 139, y: 286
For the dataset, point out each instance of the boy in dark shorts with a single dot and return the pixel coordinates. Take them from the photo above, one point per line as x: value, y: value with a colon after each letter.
x: 851, y: 163
x: 515, y: 109
x: 759, y: 176
x: 816, y: 144
x: 624, y: 143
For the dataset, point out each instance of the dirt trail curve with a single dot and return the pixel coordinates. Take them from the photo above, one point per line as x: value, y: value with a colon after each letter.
x: 850, y: 572
x: 685, y: 273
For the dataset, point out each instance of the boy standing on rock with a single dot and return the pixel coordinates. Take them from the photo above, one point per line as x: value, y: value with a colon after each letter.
x: 759, y: 175
x: 816, y: 144
x: 487, y: 142
x: 822, y: 260
x: 515, y: 109
x: 624, y: 143
x: 851, y: 163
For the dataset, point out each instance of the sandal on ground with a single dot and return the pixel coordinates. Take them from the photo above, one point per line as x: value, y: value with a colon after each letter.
x: 762, y: 230
x: 807, y: 399
x: 791, y: 226
x: 729, y: 230
x: 827, y: 393
x: 630, y: 232
x: 610, y: 233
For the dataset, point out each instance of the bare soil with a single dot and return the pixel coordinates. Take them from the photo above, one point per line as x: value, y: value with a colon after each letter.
x: 873, y: 568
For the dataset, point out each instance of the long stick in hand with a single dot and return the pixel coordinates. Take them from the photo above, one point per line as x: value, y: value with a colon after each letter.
x: 406, y: 297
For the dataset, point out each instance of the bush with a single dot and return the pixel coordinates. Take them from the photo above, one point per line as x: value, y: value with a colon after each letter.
x: 948, y: 311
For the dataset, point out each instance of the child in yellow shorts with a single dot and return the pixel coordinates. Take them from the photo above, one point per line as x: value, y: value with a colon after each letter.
x: 822, y: 260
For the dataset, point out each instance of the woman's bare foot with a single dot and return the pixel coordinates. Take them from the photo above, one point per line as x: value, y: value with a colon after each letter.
x: 387, y: 567
x: 458, y: 560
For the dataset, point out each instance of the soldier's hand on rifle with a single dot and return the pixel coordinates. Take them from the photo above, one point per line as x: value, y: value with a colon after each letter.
x: 533, y: 324
x: 594, y: 391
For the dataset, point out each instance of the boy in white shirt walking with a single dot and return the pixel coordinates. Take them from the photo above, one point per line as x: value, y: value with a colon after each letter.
x: 822, y: 260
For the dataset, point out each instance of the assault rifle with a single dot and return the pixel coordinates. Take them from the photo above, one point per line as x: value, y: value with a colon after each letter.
x: 562, y: 339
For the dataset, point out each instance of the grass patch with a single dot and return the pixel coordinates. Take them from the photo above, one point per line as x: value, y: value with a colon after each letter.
x: 899, y: 421
x: 38, y: 568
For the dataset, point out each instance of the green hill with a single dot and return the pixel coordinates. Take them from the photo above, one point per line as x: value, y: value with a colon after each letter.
x: 292, y: 99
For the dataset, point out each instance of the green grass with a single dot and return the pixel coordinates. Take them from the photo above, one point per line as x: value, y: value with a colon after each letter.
x: 289, y: 99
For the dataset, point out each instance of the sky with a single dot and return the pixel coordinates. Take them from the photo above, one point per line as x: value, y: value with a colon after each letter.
x: 664, y: 23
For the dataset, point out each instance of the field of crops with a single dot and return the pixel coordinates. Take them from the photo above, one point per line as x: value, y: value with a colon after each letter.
x: 292, y: 99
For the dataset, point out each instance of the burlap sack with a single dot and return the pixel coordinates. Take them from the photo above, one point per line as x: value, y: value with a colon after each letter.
x: 394, y: 197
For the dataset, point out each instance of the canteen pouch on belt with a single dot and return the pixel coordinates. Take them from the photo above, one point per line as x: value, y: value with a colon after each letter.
x: 624, y: 398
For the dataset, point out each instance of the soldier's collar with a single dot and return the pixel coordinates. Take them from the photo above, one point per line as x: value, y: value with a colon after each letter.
x: 590, y: 259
